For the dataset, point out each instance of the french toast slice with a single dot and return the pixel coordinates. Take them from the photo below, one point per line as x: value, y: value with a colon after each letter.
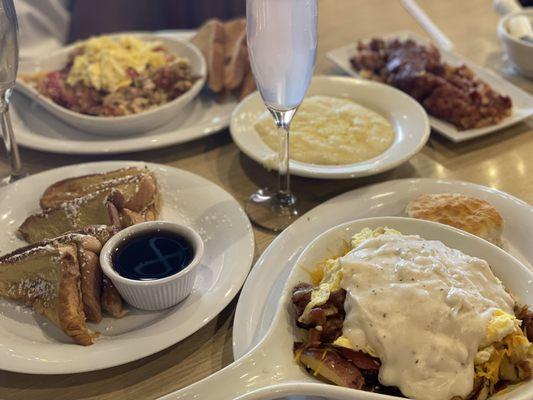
x: 98, y: 292
x: 74, y: 188
x: 97, y: 295
x: 72, y: 215
x: 111, y: 299
x: 135, y: 192
x: 88, y: 242
x: 47, y: 278
x: 88, y: 249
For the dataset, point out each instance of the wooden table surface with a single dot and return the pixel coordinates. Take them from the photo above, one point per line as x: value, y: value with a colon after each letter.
x: 502, y: 161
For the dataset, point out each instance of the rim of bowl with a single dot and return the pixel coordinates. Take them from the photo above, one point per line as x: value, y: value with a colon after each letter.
x: 199, y: 82
x: 502, y: 30
x: 193, y: 236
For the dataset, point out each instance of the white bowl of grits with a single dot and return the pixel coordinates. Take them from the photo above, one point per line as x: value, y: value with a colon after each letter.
x: 345, y: 128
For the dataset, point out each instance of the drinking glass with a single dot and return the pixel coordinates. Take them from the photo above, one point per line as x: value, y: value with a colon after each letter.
x: 9, y: 59
x: 282, y: 40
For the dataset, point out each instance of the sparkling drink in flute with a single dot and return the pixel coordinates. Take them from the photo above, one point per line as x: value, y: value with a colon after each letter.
x: 282, y: 40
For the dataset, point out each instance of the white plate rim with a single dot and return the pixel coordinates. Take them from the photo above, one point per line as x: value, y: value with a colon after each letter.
x: 167, y: 339
x: 334, y: 172
x: 445, y: 128
x: 117, y: 145
x: 249, y: 315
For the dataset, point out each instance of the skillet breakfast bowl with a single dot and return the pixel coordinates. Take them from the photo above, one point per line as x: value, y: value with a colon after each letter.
x: 121, y: 124
x: 271, y: 369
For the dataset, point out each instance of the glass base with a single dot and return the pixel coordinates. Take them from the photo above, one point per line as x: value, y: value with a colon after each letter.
x: 272, y: 210
x: 12, y: 178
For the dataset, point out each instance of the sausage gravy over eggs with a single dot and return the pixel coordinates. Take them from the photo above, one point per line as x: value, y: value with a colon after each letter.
x: 423, y: 308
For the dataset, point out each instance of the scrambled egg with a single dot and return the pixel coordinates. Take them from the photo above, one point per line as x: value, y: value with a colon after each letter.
x: 104, y: 62
x: 503, y: 345
x: 328, y: 275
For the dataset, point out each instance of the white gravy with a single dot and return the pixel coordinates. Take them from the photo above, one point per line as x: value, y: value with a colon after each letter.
x: 423, y: 308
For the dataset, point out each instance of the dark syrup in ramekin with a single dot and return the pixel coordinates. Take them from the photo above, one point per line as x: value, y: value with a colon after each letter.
x: 152, y: 255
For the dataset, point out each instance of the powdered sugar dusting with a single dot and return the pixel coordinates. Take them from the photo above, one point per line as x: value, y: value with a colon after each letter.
x: 32, y: 250
x: 33, y: 289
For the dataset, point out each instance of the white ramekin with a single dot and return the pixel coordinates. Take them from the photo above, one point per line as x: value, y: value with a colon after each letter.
x: 159, y: 293
x: 520, y: 52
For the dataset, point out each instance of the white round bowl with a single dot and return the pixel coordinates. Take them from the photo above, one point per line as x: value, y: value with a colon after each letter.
x: 407, y: 117
x: 122, y: 125
x: 520, y: 52
x: 156, y: 294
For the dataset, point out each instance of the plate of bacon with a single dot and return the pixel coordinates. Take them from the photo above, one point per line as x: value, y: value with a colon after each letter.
x: 463, y: 100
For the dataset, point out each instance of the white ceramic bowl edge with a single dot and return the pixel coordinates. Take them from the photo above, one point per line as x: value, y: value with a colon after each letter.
x: 520, y: 52
x: 122, y: 125
x: 156, y: 294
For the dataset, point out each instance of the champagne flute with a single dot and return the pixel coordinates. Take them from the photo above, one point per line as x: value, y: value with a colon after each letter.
x: 282, y: 40
x: 9, y: 59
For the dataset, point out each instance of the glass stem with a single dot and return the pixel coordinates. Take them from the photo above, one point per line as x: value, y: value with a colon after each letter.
x: 284, y: 185
x: 9, y: 136
x: 283, y: 121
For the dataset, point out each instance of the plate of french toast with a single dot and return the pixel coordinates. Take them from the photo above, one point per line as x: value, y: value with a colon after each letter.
x: 59, y: 312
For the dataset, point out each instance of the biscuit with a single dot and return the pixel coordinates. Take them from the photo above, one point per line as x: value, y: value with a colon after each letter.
x: 469, y: 214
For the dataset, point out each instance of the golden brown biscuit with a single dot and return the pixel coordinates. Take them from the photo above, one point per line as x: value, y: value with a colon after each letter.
x: 469, y: 214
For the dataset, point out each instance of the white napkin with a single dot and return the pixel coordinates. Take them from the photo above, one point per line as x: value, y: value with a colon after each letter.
x: 43, y: 26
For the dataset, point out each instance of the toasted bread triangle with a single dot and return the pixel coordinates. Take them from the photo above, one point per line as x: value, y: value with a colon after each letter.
x: 103, y: 206
x: 210, y: 40
x: 47, y: 278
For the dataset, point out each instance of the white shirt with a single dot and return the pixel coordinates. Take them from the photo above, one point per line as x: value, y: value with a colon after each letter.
x: 43, y: 26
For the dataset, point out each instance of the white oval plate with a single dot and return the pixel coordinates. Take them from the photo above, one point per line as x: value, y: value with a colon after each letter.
x: 263, y: 288
x: 408, y: 118
x: 121, y: 125
x: 522, y: 101
x: 29, y: 344
x: 269, y: 371
x: 38, y: 129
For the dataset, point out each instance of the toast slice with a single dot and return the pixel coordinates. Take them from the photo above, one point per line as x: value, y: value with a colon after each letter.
x: 74, y: 188
x: 210, y: 40
x: 93, y: 209
x: 238, y: 63
x: 111, y: 300
x: 247, y: 87
x: 97, y: 296
x: 88, y: 242
x: 233, y: 30
x: 47, y: 278
x: 88, y: 249
x: 98, y: 288
x: 91, y: 284
x: 103, y: 199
